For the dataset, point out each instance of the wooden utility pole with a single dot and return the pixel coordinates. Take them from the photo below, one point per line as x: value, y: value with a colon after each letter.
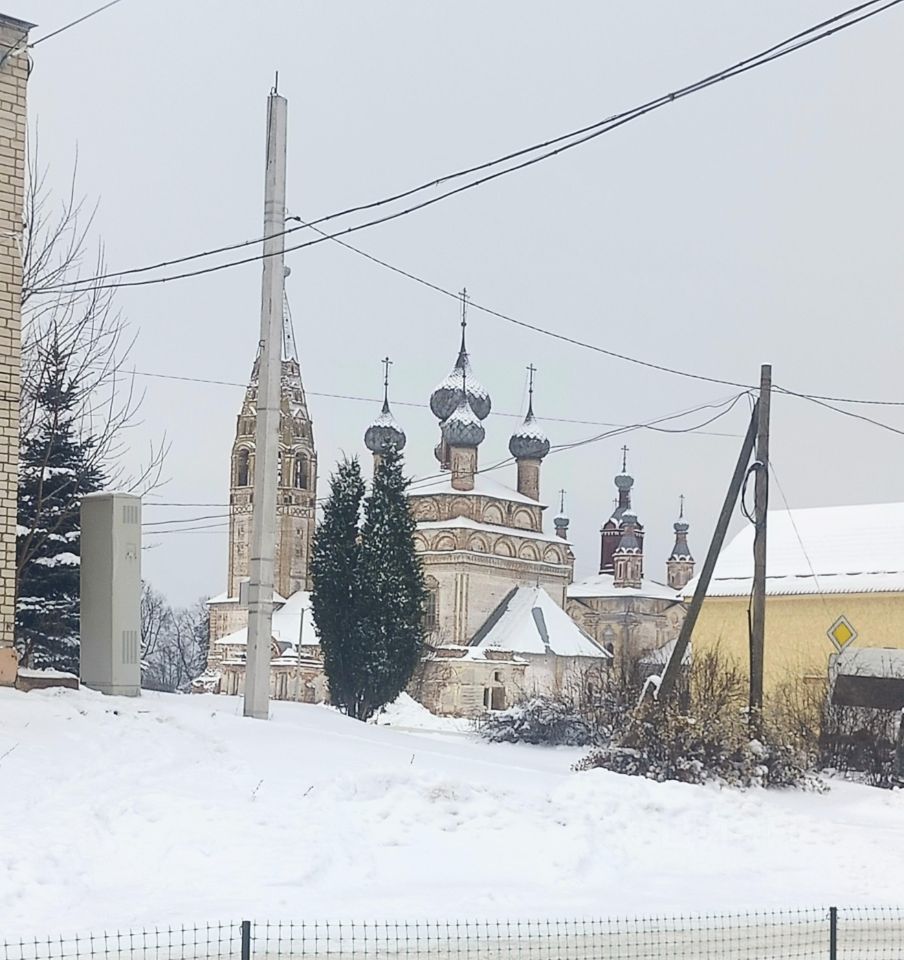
x: 266, y: 436
x: 761, y: 503
x: 673, y: 668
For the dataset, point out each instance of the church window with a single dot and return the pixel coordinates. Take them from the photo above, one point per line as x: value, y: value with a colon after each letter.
x: 497, y: 676
x: 300, y: 480
x: 243, y: 468
x: 431, y: 612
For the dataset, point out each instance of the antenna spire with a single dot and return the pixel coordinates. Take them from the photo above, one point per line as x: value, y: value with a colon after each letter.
x: 681, y: 508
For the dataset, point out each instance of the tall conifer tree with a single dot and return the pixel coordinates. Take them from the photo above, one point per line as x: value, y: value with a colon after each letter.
x: 392, y: 589
x: 335, y: 570
x: 56, y: 468
x: 368, y: 588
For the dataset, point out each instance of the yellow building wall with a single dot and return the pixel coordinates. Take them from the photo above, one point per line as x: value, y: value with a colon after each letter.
x: 796, y: 644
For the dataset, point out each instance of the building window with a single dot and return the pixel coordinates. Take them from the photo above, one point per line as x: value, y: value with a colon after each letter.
x: 497, y: 676
x: 431, y: 611
x: 243, y: 468
x: 300, y: 479
x: 494, y: 698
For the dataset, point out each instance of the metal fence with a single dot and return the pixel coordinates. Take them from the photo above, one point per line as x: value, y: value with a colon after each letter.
x: 847, y: 933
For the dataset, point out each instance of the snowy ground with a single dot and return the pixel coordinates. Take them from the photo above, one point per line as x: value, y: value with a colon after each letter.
x: 174, y: 809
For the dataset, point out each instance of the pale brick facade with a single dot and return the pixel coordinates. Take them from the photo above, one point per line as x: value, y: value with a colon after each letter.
x: 13, y: 80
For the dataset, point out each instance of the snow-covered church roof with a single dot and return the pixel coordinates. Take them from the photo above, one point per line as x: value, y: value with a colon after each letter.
x: 291, y: 621
x: 849, y: 549
x: 603, y: 585
x: 528, y: 620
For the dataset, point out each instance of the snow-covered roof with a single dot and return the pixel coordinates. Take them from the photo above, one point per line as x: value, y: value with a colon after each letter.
x: 466, y: 523
x: 484, y: 486
x: 870, y: 662
x: 287, y: 624
x: 850, y: 549
x: 603, y: 585
x: 225, y: 598
x: 529, y: 621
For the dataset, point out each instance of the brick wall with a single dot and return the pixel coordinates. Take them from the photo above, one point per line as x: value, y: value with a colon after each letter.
x: 13, y: 78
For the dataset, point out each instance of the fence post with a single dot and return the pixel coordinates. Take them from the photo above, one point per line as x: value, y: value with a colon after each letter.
x: 246, y: 940
x: 833, y: 933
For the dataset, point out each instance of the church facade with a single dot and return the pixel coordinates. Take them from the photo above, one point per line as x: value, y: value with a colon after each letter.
x: 503, y: 617
x: 631, y: 615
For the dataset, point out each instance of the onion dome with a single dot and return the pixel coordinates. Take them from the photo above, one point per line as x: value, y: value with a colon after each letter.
x: 462, y: 428
x: 681, y: 551
x: 529, y: 441
x: 460, y: 382
x: 385, y: 431
x: 560, y: 521
x: 629, y: 540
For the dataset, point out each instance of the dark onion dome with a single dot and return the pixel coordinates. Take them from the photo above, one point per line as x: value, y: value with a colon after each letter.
x: 447, y: 393
x: 628, y: 539
x: 529, y: 441
x: 624, y: 482
x: 462, y: 428
x: 384, y: 432
x: 560, y: 522
x: 681, y: 551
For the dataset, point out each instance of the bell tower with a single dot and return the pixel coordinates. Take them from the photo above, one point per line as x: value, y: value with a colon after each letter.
x: 295, y: 511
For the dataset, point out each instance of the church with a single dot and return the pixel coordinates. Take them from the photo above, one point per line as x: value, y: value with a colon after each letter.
x: 503, y: 618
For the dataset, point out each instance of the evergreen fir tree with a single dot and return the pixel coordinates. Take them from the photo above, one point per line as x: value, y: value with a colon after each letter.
x: 335, y: 570
x: 56, y: 468
x: 392, y: 591
x: 368, y: 588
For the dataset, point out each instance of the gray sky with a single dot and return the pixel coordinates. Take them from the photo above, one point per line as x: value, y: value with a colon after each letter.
x: 761, y: 220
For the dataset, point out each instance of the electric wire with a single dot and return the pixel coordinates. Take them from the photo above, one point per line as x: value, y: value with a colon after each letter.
x: 582, y: 135
x: 75, y: 23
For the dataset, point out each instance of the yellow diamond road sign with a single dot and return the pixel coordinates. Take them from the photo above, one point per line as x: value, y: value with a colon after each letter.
x: 841, y: 633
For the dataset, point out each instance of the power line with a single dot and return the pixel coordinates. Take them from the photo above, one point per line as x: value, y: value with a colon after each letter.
x: 209, y: 516
x: 564, y: 142
x: 377, y: 400
x: 580, y: 343
x: 75, y: 23
x: 847, y: 413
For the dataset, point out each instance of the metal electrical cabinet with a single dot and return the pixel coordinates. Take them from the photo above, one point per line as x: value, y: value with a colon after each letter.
x: 110, y: 631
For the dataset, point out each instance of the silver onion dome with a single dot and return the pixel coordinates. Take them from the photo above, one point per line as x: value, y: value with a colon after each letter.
x: 384, y: 432
x: 460, y: 382
x: 529, y: 441
x: 462, y: 428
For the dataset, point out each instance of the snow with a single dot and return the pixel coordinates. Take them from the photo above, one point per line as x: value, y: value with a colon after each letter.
x: 292, y: 620
x: 407, y: 714
x: 851, y: 549
x: 484, y: 486
x: 169, y: 809
x: 59, y: 559
x: 531, y: 620
x: 603, y: 585
x: 466, y: 523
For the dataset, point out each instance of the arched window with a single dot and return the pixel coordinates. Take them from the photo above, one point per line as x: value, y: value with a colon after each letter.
x: 242, y: 470
x: 300, y: 480
x: 431, y: 609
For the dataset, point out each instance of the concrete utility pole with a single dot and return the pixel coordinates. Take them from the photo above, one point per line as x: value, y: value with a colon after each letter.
x: 266, y: 440
x: 673, y: 668
x: 761, y: 502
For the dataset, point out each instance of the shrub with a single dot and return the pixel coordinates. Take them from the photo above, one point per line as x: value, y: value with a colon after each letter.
x: 702, y: 735
x: 551, y: 720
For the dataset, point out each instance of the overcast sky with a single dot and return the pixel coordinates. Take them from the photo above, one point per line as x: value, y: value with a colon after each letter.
x: 762, y: 220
